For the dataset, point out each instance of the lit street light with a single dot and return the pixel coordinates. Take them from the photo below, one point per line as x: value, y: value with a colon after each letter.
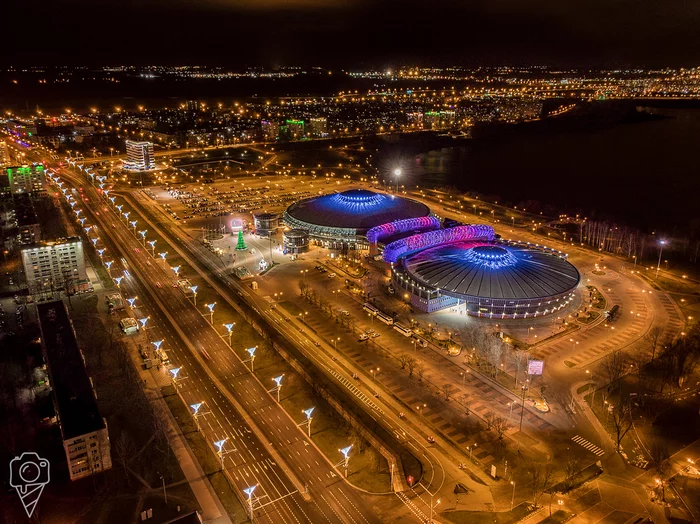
x: 211, y: 312
x: 152, y: 243
x: 143, y: 236
x: 278, y: 386
x: 308, y: 420
x: 397, y: 174
x: 344, y: 462
x: 251, y: 359
x: 420, y: 410
x: 162, y: 257
x: 194, y: 294
x: 229, y: 329
x: 118, y: 280
x: 249, y: 491
x: 131, y: 301
x: 220, y: 450
x: 661, y: 250
x: 133, y: 225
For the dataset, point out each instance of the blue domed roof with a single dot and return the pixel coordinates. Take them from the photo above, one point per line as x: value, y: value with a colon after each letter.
x: 492, y: 270
x: 358, y: 209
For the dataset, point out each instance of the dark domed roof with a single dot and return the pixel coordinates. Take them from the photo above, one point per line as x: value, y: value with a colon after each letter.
x: 491, y: 270
x: 358, y: 209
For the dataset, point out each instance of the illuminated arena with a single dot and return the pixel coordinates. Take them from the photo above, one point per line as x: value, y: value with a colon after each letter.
x: 338, y: 219
x: 488, y: 279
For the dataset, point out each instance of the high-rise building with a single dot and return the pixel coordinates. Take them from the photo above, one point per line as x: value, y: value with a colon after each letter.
x: 54, y: 266
x: 318, y: 127
x: 295, y: 128
x: 139, y: 155
x: 4, y: 154
x: 28, y: 229
x: 27, y: 179
x: 270, y: 130
x: 83, y: 430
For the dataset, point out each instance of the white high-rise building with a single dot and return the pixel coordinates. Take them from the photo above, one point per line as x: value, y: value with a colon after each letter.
x: 139, y: 155
x: 56, y: 265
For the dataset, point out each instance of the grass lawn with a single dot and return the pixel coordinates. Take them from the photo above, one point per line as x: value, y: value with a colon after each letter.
x: 488, y: 517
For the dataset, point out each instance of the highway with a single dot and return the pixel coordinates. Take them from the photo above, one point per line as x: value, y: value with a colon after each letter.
x: 222, y: 381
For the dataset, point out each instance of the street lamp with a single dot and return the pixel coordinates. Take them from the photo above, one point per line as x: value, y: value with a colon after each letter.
x: 133, y: 225
x: 249, y: 491
x: 152, y: 243
x: 344, y: 462
x: 397, y: 174
x: 220, y: 450
x: 143, y: 236
x: 158, y: 343
x: 211, y: 312
x: 229, y: 329
x: 251, y: 359
x: 126, y: 215
x: 420, y: 410
x: 101, y: 252
x: 196, y: 414
x: 308, y: 420
x: 118, y: 280
x: 177, y: 271
x: 162, y: 257
x: 471, y: 448
x: 194, y: 294
x: 512, y: 498
x: 374, y: 382
x: 278, y: 386
x: 143, y: 322
x: 131, y: 301
x: 662, y: 243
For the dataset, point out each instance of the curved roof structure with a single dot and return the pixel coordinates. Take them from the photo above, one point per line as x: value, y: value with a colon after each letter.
x: 491, y: 270
x: 357, y: 209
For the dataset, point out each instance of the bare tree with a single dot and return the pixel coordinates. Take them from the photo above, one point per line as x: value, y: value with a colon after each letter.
x: 500, y: 426
x: 517, y: 358
x: 420, y: 371
x: 653, y: 337
x: 489, y: 417
x: 540, y: 475
x: 447, y: 390
x: 572, y: 469
x: 411, y: 364
x: 125, y: 451
x: 622, y: 420
x: 613, y: 367
x: 403, y: 359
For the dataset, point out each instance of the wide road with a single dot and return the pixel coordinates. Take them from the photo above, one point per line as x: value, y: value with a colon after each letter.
x: 186, y: 332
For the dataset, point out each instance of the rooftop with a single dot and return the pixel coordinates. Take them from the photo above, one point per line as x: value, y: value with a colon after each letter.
x: 75, y: 399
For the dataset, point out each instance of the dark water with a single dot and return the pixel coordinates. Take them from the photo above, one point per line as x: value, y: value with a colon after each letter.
x: 644, y: 173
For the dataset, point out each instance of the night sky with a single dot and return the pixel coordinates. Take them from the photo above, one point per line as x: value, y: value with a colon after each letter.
x: 355, y: 33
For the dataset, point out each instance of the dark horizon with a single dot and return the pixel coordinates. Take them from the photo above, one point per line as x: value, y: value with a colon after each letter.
x: 356, y: 33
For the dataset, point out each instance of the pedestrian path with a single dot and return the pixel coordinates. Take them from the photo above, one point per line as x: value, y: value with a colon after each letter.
x: 588, y: 445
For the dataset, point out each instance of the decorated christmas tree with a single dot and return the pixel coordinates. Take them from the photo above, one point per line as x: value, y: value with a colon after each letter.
x: 241, y: 243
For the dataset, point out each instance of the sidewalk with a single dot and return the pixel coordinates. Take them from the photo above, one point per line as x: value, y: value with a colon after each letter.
x: 211, y: 507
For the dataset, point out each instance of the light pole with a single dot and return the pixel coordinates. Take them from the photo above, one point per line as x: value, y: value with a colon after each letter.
x: 420, y: 411
x: 397, y: 174
x: 661, y: 250
x: 374, y: 380
x: 589, y: 374
x: 131, y: 302
x: 194, y: 294
x: 308, y: 420
x: 133, y: 225
x: 118, y: 280
x: 344, y: 462
x: 100, y: 252
x: 251, y: 358
x: 143, y: 236
x: 574, y: 343
x: 152, y: 243
x: 249, y: 491
x: 196, y: 414
x: 162, y: 257
x: 126, y: 214
x: 471, y: 448
x: 220, y: 450
x: 211, y: 312
x: 165, y: 495
x: 278, y: 386
x: 229, y: 329
x: 176, y: 269
x: 512, y: 498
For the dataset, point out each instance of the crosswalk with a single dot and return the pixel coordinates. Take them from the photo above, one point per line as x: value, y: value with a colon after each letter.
x: 422, y: 517
x: 356, y: 391
x: 588, y: 445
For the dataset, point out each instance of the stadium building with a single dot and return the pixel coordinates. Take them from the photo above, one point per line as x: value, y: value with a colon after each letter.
x: 343, y: 219
x: 487, y: 278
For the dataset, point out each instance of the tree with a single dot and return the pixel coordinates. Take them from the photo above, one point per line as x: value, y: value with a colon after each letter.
x: 517, y: 357
x: 572, y: 469
x: 125, y: 453
x: 653, y: 337
x: 403, y: 360
x: 540, y: 476
x: 241, y: 243
x: 660, y: 458
x: 500, y: 426
x: 447, y: 390
x: 489, y: 417
x: 613, y: 367
x: 411, y: 364
x: 622, y: 420
x: 420, y: 371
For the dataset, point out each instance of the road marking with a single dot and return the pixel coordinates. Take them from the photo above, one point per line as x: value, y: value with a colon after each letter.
x: 588, y: 446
